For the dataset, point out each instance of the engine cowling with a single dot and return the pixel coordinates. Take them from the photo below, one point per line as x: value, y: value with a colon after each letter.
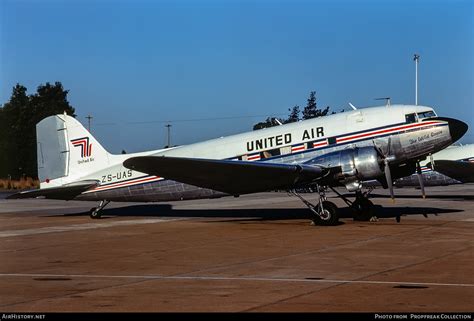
x: 356, y: 165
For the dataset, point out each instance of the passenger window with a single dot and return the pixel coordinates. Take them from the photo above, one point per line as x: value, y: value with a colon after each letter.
x: 271, y: 153
x: 410, y: 118
x: 285, y: 150
x: 332, y: 140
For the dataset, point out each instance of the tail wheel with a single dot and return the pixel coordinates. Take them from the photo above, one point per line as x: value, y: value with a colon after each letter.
x: 329, y: 216
x: 94, y: 213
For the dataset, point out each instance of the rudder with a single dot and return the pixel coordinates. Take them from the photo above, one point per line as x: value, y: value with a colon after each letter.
x: 67, y: 151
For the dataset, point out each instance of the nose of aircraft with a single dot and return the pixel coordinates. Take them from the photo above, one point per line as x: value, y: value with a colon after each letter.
x: 457, y: 128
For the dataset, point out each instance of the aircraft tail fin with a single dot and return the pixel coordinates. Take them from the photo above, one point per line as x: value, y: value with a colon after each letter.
x: 66, y: 151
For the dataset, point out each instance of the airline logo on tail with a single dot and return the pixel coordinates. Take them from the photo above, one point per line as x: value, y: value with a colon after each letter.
x: 86, y: 148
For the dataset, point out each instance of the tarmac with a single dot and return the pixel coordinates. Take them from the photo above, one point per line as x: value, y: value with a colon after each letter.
x: 255, y: 253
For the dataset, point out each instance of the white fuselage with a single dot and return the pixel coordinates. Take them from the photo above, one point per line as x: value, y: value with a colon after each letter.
x: 385, y: 127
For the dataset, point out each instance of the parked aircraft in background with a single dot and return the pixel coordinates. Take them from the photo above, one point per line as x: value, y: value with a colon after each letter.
x: 345, y: 149
x: 453, y: 165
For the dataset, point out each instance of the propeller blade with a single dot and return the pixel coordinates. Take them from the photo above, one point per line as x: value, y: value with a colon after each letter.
x: 420, y: 179
x: 389, y: 145
x: 388, y: 177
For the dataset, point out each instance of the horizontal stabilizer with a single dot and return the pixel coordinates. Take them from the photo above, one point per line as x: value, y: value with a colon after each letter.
x: 459, y: 170
x: 65, y: 192
x: 232, y: 177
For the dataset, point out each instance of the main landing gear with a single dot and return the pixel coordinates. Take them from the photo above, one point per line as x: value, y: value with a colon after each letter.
x: 362, y: 207
x: 95, y: 212
x: 325, y: 212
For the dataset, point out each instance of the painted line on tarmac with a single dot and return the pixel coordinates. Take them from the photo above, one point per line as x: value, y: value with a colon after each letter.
x: 80, y: 227
x: 223, y: 278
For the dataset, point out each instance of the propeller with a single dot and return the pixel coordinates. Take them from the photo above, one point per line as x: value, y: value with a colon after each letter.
x: 388, y: 177
x: 388, y: 174
x: 386, y: 160
x: 420, y: 179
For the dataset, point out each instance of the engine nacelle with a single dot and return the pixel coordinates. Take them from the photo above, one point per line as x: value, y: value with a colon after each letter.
x: 356, y: 165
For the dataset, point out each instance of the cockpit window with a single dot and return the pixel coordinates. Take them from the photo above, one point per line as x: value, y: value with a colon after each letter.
x: 426, y: 114
x: 410, y: 118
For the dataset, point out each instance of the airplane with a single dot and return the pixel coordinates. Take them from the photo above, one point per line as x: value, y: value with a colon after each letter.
x: 452, y: 165
x: 344, y: 149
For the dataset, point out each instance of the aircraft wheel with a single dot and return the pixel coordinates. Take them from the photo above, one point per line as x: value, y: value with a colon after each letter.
x: 94, y: 213
x: 363, y: 209
x: 329, y: 215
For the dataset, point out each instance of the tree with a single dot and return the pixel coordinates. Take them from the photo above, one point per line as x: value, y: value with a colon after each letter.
x: 14, y: 116
x: 269, y: 122
x: 311, y: 110
x: 50, y: 100
x: 18, y: 119
x: 294, y: 115
x: 3, y: 146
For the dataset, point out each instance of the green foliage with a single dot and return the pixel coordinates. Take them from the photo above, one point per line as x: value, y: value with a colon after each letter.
x: 294, y: 115
x: 310, y: 111
x: 269, y: 122
x: 18, y: 119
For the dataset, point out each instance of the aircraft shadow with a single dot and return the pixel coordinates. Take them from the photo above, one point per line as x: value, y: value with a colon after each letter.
x: 455, y: 197
x: 265, y: 214
x: 388, y: 212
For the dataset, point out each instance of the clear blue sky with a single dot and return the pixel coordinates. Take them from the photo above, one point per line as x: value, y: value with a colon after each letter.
x: 130, y: 62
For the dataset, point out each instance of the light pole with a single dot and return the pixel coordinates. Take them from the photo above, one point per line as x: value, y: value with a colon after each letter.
x: 89, y: 117
x: 416, y: 58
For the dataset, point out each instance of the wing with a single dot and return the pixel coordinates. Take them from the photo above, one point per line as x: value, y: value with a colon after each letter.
x: 66, y: 192
x: 459, y: 170
x: 232, y: 177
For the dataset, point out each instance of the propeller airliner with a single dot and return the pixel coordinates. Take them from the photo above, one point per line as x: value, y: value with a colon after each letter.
x: 345, y: 149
